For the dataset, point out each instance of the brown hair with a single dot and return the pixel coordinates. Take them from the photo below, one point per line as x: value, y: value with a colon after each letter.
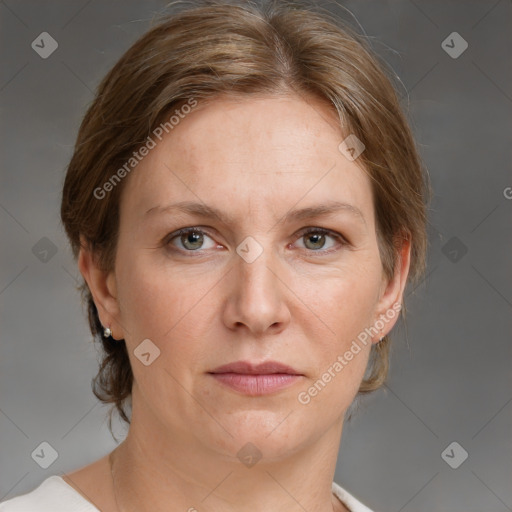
x: 215, y: 48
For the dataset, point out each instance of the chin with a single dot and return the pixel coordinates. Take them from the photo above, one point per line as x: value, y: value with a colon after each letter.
x: 260, y: 433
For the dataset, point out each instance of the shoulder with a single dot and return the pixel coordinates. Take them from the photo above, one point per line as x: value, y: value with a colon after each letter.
x: 351, y: 502
x: 52, y: 495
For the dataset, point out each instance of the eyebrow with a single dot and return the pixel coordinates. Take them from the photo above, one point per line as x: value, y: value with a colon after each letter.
x: 203, y: 210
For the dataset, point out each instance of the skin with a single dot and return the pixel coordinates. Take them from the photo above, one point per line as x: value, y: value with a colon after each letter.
x: 301, y: 302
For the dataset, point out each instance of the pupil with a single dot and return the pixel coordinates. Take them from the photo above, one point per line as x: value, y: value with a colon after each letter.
x: 194, y: 238
x: 317, y: 237
x: 192, y: 235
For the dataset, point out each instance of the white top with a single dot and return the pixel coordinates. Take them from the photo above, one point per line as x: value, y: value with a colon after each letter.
x: 55, y: 495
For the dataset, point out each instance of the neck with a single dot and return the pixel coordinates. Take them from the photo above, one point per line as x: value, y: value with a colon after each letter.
x: 167, y: 471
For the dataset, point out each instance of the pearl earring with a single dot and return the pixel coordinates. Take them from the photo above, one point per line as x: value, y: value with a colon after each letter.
x: 107, y: 332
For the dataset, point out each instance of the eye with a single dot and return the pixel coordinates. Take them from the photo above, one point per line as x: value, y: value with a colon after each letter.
x: 191, y: 239
x: 316, y: 239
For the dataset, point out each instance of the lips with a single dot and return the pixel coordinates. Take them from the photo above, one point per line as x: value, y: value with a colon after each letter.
x: 254, y: 380
x: 265, y: 368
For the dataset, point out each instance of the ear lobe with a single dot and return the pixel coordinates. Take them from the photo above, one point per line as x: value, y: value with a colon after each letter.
x: 102, y: 286
x: 393, y: 289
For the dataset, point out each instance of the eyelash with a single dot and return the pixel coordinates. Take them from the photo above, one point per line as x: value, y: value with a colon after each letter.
x: 317, y: 230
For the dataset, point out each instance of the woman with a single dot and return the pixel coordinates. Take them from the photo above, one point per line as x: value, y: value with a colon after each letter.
x: 246, y: 205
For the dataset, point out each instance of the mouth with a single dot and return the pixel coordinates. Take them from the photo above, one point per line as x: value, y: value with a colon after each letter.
x: 265, y: 368
x: 256, y: 379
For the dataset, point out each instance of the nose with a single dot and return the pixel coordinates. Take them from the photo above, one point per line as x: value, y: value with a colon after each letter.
x: 257, y: 296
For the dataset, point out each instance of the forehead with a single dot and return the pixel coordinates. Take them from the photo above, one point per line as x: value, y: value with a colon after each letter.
x: 267, y: 152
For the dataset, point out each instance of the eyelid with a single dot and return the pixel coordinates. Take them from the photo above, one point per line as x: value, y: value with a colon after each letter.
x: 189, y: 229
x: 304, y: 231
x: 325, y: 231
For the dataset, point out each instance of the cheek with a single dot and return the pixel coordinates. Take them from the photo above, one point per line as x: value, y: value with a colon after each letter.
x: 343, y: 299
x: 343, y: 303
x: 145, y: 308
x: 339, y: 352
x: 329, y: 304
x: 164, y: 305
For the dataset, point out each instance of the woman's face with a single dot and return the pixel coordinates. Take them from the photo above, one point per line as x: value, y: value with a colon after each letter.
x: 250, y: 285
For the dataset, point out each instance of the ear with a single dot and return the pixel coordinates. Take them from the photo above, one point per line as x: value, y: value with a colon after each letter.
x: 392, y: 290
x: 103, y: 289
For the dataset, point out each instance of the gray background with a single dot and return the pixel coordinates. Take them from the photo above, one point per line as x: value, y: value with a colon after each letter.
x: 450, y: 374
